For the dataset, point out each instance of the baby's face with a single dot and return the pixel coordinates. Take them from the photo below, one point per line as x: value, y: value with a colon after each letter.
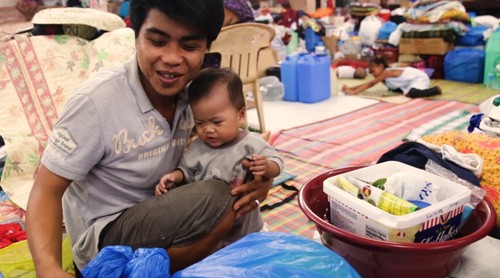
x: 217, y: 120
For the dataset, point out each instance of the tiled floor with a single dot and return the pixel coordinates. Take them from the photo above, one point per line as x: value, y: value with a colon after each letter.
x: 281, y: 114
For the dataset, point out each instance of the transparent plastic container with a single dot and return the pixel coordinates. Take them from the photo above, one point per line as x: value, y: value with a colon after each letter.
x: 271, y: 88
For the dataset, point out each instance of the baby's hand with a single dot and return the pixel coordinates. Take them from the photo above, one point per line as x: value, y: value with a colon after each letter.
x: 166, y: 182
x: 346, y: 90
x: 349, y: 92
x: 258, y: 165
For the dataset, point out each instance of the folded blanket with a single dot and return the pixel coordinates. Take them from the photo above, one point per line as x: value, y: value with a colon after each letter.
x: 437, y: 11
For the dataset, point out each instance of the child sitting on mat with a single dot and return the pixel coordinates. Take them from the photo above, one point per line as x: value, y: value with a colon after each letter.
x: 413, y: 82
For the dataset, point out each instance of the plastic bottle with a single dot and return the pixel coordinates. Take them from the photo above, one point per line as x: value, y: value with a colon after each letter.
x: 320, y: 49
x: 293, y: 44
x: 489, y: 82
x: 496, y: 76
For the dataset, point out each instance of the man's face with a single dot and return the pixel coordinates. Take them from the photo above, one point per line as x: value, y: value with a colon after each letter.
x: 169, y: 55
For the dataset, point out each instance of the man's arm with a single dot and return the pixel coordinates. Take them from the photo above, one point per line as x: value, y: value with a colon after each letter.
x: 44, y: 222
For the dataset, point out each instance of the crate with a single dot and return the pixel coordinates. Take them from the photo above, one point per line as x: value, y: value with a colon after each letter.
x: 308, y: 6
x: 435, y: 223
x: 432, y: 46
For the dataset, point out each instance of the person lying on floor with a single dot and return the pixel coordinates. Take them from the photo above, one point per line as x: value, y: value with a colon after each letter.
x: 350, y: 72
x: 413, y: 82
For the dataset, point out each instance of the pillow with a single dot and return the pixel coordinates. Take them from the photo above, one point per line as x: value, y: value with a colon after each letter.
x: 37, y: 74
x: 488, y: 148
x: 84, y: 23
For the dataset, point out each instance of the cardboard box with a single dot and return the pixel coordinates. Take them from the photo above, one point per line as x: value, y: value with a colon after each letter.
x: 435, y: 223
x: 331, y: 43
x: 307, y: 6
x: 432, y: 46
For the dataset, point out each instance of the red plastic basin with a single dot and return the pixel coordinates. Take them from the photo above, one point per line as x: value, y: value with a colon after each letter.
x: 376, y: 258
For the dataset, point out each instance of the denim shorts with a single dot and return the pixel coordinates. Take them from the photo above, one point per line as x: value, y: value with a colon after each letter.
x: 180, y: 217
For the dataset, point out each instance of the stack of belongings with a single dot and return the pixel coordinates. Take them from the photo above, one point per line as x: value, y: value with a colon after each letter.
x: 430, y: 31
x: 468, y: 61
x: 382, y: 47
x: 363, y: 9
x: 359, y: 11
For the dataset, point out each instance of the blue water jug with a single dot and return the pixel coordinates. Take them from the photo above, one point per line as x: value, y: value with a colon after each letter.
x: 313, y: 78
x: 312, y: 39
x: 288, y: 74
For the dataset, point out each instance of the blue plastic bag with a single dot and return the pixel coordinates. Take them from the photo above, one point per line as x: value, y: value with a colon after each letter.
x: 110, y: 262
x: 386, y: 30
x: 272, y: 254
x: 473, y: 37
x: 464, y: 65
x: 120, y: 261
x: 148, y: 262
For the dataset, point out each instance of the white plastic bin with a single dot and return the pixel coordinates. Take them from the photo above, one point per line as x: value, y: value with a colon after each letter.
x: 435, y: 223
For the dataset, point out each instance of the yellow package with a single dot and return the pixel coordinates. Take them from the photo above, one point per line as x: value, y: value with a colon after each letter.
x: 16, y: 261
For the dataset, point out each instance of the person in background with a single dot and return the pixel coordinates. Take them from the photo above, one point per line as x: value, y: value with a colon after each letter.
x: 28, y: 8
x: 350, y: 72
x: 118, y: 133
x: 413, y: 82
x: 237, y: 11
x: 218, y: 104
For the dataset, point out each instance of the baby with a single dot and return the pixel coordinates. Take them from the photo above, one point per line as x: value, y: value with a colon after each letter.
x: 351, y: 72
x: 223, y: 150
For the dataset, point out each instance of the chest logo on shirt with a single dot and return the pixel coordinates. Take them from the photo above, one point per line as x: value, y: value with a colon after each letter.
x: 124, y: 144
x: 63, y: 140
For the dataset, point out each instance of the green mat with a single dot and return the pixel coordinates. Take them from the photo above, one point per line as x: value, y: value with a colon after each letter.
x: 463, y: 92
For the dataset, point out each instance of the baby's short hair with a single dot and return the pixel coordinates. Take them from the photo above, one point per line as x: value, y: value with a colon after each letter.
x: 360, y: 73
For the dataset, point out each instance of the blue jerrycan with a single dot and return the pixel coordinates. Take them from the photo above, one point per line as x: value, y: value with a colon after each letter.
x: 313, y: 78
x: 288, y: 74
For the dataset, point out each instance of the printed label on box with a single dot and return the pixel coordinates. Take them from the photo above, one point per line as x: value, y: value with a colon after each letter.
x: 437, y: 229
x: 440, y: 228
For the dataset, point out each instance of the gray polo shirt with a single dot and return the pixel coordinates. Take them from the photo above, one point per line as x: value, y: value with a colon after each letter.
x: 115, y: 147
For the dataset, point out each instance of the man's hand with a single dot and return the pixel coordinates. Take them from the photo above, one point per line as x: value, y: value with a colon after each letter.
x: 256, y: 189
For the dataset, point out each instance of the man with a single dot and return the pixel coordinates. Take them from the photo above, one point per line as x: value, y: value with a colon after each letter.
x: 119, y: 132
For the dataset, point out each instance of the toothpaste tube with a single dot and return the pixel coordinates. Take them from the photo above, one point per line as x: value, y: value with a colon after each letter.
x: 385, y: 201
x: 349, y: 187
